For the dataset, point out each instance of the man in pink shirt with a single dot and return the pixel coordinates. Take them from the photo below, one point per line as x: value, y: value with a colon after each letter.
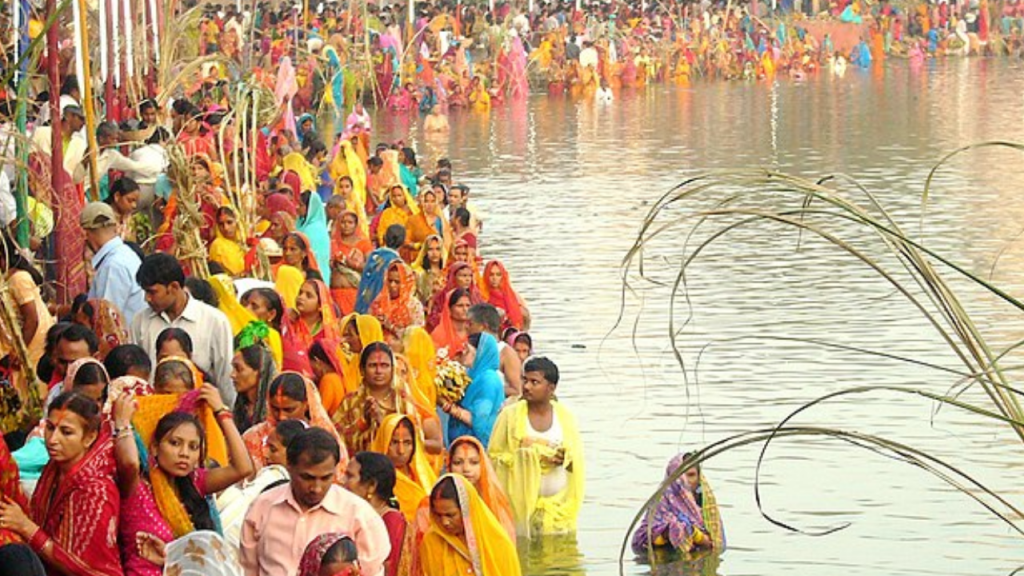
x: 281, y: 522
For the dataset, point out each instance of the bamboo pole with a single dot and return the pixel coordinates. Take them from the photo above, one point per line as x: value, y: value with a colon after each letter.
x: 111, y: 76
x: 21, y: 188
x: 87, y: 97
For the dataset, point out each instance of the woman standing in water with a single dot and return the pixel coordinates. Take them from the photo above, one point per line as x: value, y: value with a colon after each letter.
x: 686, y: 517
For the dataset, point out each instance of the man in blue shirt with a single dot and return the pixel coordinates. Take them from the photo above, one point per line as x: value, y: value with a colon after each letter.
x: 114, y: 261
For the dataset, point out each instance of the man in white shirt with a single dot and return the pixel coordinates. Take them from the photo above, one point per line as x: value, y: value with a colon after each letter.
x: 163, y: 281
x: 73, y: 133
x: 110, y: 158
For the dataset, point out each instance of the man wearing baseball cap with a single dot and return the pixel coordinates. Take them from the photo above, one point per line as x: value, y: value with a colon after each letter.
x: 114, y: 261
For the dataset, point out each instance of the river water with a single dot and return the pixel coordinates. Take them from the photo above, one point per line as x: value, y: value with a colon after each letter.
x: 564, y: 186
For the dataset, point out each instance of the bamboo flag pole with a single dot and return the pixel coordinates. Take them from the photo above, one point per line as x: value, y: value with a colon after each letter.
x: 87, y: 97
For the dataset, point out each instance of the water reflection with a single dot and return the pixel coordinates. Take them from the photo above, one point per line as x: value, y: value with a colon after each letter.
x: 664, y: 562
x: 554, y: 555
x: 564, y: 185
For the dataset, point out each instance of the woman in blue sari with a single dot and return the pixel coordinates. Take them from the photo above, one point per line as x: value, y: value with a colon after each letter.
x: 372, y: 280
x: 475, y: 414
x: 314, y: 225
x: 410, y: 171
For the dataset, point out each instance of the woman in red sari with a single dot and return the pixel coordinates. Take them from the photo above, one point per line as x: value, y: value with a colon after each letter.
x: 10, y: 486
x: 453, y: 331
x: 73, y: 515
x: 496, y: 289
x: 313, y: 318
x: 460, y: 275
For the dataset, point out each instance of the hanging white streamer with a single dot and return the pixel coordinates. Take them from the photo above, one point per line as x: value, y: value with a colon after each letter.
x: 16, y: 33
x: 103, y: 41
x: 115, y: 34
x: 80, y: 45
x: 155, y: 25
x: 129, y: 37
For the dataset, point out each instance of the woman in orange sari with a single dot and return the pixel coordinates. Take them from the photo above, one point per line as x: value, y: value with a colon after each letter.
x: 496, y: 289
x: 327, y: 359
x: 428, y: 222
x: 399, y: 439
x: 298, y: 253
x: 396, y: 306
x: 349, y: 247
x: 291, y: 397
x: 467, y: 457
x: 313, y: 318
x: 452, y: 332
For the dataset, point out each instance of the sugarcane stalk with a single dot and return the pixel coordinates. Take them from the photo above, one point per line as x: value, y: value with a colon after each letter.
x: 32, y: 404
x: 90, y: 112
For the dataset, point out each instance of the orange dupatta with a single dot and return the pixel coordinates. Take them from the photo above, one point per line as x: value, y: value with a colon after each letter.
x: 487, y: 486
x: 504, y: 297
x: 255, y: 438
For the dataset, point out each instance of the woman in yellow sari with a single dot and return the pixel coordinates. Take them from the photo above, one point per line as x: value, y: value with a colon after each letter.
x: 297, y: 163
x: 227, y: 248
x: 399, y: 439
x: 464, y: 537
x: 357, y: 332
x: 153, y: 407
x: 430, y: 268
x: 246, y: 327
x: 401, y: 208
x: 346, y: 162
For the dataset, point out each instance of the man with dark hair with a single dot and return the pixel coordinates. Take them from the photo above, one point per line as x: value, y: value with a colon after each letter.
x: 283, y: 520
x: 170, y: 305
x: 540, y: 428
x: 128, y: 360
x: 74, y: 343
x: 114, y: 261
x: 458, y: 197
x: 108, y: 137
x: 485, y: 317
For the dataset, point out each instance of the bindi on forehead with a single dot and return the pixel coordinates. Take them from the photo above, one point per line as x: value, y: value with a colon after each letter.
x: 60, y: 416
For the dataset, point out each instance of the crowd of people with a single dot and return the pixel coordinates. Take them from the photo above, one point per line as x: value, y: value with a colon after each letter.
x: 338, y: 384
x: 302, y: 421
x: 290, y: 355
x: 451, y: 56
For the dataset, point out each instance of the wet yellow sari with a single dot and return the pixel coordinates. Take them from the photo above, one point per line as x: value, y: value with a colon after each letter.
x: 520, y: 469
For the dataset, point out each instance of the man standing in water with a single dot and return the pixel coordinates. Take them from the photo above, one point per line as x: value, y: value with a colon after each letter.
x: 542, y: 470
x: 485, y: 317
